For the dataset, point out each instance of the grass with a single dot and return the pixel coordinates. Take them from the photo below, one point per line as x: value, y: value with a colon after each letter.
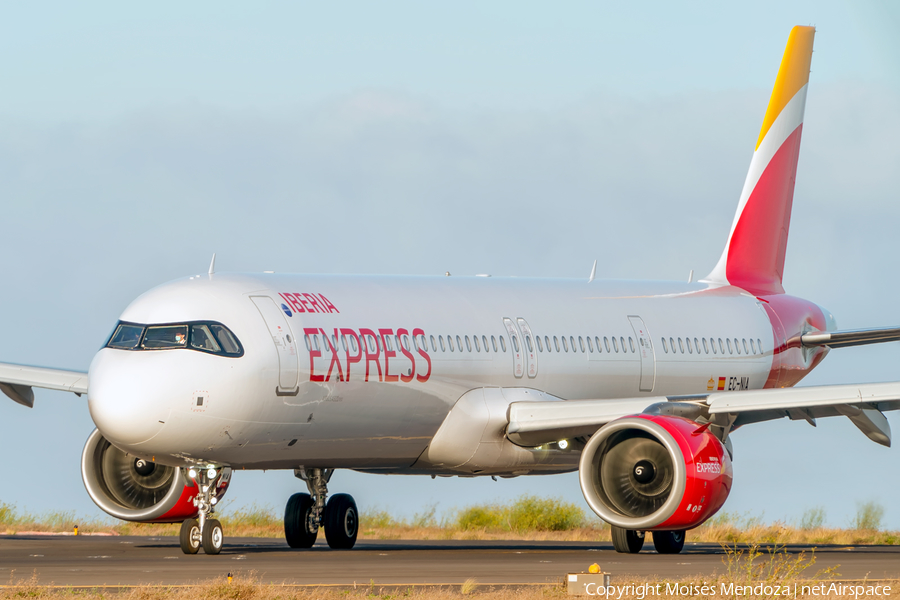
x: 527, y: 518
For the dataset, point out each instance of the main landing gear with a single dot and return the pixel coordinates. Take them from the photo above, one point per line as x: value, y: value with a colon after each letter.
x: 305, y: 513
x: 203, y: 531
x: 629, y: 541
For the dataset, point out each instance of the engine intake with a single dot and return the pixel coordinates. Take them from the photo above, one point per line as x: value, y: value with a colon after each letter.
x: 133, y: 489
x: 655, y: 472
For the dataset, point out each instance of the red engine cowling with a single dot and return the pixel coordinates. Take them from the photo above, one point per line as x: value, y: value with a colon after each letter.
x: 653, y: 472
x: 132, y: 489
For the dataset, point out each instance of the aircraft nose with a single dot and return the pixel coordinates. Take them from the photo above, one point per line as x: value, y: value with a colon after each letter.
x: 127, y: 396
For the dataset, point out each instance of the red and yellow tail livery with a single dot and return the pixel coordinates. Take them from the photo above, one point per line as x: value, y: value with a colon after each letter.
x: 754, y: 255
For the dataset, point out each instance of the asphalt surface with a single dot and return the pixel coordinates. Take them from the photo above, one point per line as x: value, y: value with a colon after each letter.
x: 115, y: 561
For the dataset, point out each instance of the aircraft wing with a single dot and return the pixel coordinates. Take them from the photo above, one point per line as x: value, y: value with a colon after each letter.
x: 535, y: 423
x: 16, y: 381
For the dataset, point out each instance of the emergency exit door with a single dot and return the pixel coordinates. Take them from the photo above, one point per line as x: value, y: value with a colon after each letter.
x: 285, y: 345
x: 645, y: 349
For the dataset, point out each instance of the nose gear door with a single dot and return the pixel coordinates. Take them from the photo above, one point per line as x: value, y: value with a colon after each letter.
x: 648, y: 358
x: 285, y: 345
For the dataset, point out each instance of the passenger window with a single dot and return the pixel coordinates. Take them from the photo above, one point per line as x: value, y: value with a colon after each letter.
x: 730, y: 351
x: 126, y: 336
x: 528, y: 343
x: 680, y: 345
x: 572, y: 342
x: 672, y: 343
x: 503, y: 343
x: 459, y: 343
x: 597, y: 341
x: 665, y: 346
x: 202, y: 339
x: 515, y: 342
x: 705, y: 346
x: 306, y: 339
x: 325, y: 344
x: 441, y: 340
x: 540, y: 346
x: 687, y: 342
x: 468, y: 343
x: 630, y: 343
x: 581, y: 343
x: 547, y: 342
x: 697, y: 345
x: 484, y: 341
x: 388, y: 344
x: 606, y: 342
x: 405, y: 339
x: 590, y: 345
x: 721, y: 346
x: 565, y: 344
x: 615, y: 345
x: 759, y: 345
x: 737, y: 346
x: 494, y: 343
x: 752, y: 346
x: 165, y: 336
x: 477, y: 345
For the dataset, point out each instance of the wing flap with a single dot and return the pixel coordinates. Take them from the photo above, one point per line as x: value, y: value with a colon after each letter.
x: 17, y: 381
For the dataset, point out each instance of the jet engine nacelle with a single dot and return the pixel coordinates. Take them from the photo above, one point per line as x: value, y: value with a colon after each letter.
x: 133, y: 489
x: 653, y: 472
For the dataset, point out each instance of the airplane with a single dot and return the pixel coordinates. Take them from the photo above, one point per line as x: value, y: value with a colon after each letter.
x: 637, y: 385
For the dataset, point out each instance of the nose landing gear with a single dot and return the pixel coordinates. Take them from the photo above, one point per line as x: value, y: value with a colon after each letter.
x: 305, y: 513
x: 203, y: 531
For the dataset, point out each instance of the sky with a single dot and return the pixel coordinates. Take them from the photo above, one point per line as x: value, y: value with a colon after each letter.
x: 511, y: 138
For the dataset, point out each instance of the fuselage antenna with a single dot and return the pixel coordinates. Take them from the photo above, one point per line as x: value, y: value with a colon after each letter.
x: 593, y: 272
x: 212, y: 264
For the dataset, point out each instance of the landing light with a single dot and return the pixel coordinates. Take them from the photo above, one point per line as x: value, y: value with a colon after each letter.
x: 563, y: 444
x: 211, y: 473
x: 192, y: 474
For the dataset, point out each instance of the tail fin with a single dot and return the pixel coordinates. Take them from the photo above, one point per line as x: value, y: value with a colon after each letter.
x: 754, y: 255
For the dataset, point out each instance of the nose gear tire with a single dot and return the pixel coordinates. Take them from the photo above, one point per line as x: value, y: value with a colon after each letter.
x: 341, y: 522
x: 212, y: 537
x: 299, y: 529
x: 668, y: 542
x: 627, y: 541
x: 190, y: 536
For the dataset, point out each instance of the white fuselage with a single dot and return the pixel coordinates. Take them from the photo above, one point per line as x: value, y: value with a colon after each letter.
x: 292, y: 399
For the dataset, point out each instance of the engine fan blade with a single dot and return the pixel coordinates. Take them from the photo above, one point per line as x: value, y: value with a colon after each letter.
x: 637, y: 475
x: 125, y: 481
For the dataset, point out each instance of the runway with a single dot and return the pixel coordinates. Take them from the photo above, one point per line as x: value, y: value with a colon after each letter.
x: 111, y: 561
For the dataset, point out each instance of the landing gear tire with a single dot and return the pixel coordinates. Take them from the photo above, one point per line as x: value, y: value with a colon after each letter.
x: 627, y: 541
x: 190, y: 536
x: 300, y: 529
x: 212, y: 537
x: 341, y: 522
x: 668, y: 542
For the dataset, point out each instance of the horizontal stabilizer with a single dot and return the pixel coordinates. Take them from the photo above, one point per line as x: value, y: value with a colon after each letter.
x: 16, y: 381
x: 851, y: 337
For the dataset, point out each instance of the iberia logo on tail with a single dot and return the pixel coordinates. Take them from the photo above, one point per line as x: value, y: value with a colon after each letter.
x: 754, y: 255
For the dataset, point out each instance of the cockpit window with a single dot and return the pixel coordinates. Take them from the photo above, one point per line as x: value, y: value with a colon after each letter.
x: 210, y: 337
x: 165, y: 336
x: 202, y: 339
x: 126, y: 336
